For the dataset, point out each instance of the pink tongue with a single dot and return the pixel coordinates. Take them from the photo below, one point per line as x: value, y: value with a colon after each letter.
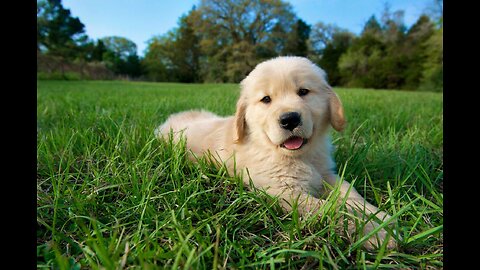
x: 293, y: 143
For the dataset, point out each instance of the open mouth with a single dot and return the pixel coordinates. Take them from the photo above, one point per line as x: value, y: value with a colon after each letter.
x: 294, y: 143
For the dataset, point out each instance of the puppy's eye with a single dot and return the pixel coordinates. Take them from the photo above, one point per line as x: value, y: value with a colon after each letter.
x: 303, y: 92
x: 266, y: 99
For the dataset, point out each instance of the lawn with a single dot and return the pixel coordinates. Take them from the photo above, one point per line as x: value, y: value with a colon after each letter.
x: 111, y: 196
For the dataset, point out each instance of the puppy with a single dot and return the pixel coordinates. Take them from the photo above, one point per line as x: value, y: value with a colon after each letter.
x: 280, y: 134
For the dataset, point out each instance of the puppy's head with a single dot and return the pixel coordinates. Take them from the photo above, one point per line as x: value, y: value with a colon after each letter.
x: 285, y: 104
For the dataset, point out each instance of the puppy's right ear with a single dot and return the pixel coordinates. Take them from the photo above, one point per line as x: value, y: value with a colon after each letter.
x: 240, y: 123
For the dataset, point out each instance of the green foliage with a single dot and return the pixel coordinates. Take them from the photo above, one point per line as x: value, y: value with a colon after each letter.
x: 387, y: 56
x: 240, y: 61
x: 360, y: 65
x: 58, y: 68
x: 58, y: 33
x: 186, y: 55
x: 62, y: 36
x: 372, y: 27
x: 120, y: 54
x: 120, y: 47
x: 98, y: 51
x: 234, y: 36
x: 222, y: 41
x: 371, y: 61
x: 330, y: 43
x: 432, y: 79
x: 111, y: 196
x: 157, y: 60
x: 69, y: 76
x: 296, y: 43
x: 416, y: 50
x: 175, y: 56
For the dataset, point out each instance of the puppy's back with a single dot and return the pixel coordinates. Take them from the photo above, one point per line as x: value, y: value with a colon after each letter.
x: 181, y: 121
x: 203, y: 130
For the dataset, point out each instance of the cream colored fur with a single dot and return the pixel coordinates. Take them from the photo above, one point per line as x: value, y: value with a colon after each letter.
x: 254, y: 137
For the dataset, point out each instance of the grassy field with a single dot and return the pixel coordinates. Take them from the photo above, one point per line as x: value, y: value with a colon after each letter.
x: 111, y: 196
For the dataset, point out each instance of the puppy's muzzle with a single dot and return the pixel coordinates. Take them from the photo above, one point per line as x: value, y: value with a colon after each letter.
x: 290, y: 120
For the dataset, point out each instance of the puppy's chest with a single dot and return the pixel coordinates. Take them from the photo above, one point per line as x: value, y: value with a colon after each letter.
x: 293, y: 175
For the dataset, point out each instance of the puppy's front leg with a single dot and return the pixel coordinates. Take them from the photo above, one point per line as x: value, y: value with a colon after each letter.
x: 359, y: 207
x: 355, y: 205
x: 305, y: 202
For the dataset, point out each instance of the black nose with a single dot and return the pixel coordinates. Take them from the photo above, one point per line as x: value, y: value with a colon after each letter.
x: 290, y: 120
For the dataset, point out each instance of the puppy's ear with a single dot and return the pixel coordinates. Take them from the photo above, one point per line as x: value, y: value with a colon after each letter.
x: 240, y: 123
x: 337, y: 118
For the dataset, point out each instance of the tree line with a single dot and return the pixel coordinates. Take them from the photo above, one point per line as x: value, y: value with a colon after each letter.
x: 222, y: 41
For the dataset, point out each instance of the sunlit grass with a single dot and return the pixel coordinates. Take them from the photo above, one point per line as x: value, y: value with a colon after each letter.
x: 109, y: 195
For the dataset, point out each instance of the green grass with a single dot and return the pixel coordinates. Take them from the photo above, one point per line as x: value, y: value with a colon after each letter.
x: 111, y: 196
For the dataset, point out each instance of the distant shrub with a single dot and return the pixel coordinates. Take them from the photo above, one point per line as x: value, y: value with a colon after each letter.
x: 58, y: 68
x: 69, y: 76
x: 433, y: 80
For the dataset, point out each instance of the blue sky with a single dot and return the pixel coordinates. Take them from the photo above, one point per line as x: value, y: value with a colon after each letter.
x: 140, y: 20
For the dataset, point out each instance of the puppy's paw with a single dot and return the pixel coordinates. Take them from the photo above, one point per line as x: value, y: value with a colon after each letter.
x: 378, y: 239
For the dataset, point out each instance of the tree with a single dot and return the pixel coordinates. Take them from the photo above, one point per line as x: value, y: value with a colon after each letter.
x: 328, y: 43
x: 321, y: 35
x: 222, y: 41
x: 432, y: 76
x: 58, y: 33
x: 176, y: 55
x: 395, y: 61
x: 393, y: 27
x: 296, y: 43
x: 372, y: 27
x: 186, y: 50
x: 157, y: 63
x: 360, y: 66
x: 236, y: 35
x: 121, y: 47
x: 331, y: 54
x: 415, y: 50
x: 98, y: 51
x: 249, y: 20
x: 121, y: 56
x: 239, y: 60
x: 377, y: 59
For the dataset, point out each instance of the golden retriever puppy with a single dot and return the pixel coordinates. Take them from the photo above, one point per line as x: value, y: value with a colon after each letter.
x: 280, y: 134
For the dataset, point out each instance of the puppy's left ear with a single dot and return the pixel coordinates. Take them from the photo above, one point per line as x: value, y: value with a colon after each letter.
x: 240, y: 123
x: 337, y: 118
